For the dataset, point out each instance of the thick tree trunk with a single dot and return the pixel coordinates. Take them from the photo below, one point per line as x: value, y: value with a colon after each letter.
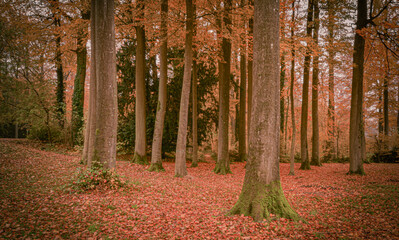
x: 223, y: 162
x: 292, y: 154
x: 140, y: 148
x: 106, y: 112
x: 88, y: 147
x: 180, y: 162
x: 156, y: 154
x: 357, y: 141
x: 315, y: 91
x: 330, y: 151
x: 262, y: 193
x: 60, y: 80
x: 305, y: 94
x: 282, y: 99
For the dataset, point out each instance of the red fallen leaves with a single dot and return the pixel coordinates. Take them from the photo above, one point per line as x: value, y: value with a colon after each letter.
x: 159, y: 206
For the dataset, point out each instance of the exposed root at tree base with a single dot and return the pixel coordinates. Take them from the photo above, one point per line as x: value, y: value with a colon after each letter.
x: 138, y: 159
x: 156, y: 167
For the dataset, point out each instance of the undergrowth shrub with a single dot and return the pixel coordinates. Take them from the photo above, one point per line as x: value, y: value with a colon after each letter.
x: 97, y: 177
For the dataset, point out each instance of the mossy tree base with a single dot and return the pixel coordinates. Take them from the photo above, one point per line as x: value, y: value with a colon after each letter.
x: 242, y: 158
x: 259, y: 201
x: 291, y: 174
x: 316, y: 162
x: 305, y: 165
x: 156, y: 167
x: 358, y: 172
x: 222, y: 169
x: 138, y: 159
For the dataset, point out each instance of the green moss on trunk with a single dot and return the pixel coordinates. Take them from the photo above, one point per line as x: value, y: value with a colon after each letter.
x: 358, y: 172
x: 222, y: 169
x: 137, y: 158
x: 194, y: 164
x: 305, y: 165
x: 316, y: 162
x: 156, y: 167
x: 263, y: 201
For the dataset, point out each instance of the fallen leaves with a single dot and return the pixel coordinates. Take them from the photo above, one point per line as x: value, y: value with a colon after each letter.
x: 35, y: 203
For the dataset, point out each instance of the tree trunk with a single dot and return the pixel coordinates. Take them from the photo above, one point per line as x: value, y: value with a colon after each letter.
x: 79, y: 88
x: 386, y: 109
x: 243, y: 96
x: 156, y: 154
x: 330, y: 153
x: 315, y: 90
x: 140, y: 156
x: 282, y: 99
x: 194, y: 158
x: 223, y: 162
x: 180, y: 162
x: 60, y: 79
x: 250, y: 69
x: 292, y: 155
x: 305, y: 94
x: 357, y: 142
x: 261, y: 193
x: 88, y: 147
x: 104, y: 152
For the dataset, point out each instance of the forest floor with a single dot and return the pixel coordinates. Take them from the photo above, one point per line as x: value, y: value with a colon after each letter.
x: 36, y: 203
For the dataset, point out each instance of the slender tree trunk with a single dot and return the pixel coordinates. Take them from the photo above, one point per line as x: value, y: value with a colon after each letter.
x: 79, y: 88
x: 315, y: 91
x: 282, y: 99
x: 194, y: 161
x: 386, y: 109
x: 305, y: 94
x: 243, y: 96
x: 180, y: 162
x: 104, y: 152
x: 156, y: 155
x: 250, y: 69
x: 140, y: 156
x: 60, y: 79
x: 223, y: 162
x: 331, y: 102
x: 261, y: 193
x: 292, y: 155
x: 357, y: 142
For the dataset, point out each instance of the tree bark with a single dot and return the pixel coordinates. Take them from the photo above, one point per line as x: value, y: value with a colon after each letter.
x: 305, y: 94
x: 261, y: 193
x: 315, y: 90
x: 223, y: 162
x: 357, y: 141
x: 194, y: 158
x: 330, y: 153
x: 243, y: 96
x: 106, y: 112
x: 292, y: 155
x: 250, y: 69
x: 180, y: 162
x: 386, y: 106
x: 156, y: 154
x: 79, y: 84
x: 140, y: 156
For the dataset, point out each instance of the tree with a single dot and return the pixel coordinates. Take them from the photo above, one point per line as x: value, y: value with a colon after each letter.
x: 242, y: 152
x: 305, y: 93
x: 250, y: 67
x: 357, y: 141
x: 292, y: 154
x: 194, y: 158
x: 156, y: 155
x: 261, y: 193
x: 180, y: 161
x: 315, y: 89
x: 140, y: 147
x: 330, y: 152
x: 103, y: 112
x: 80, y: 78
x: 223, y: 162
